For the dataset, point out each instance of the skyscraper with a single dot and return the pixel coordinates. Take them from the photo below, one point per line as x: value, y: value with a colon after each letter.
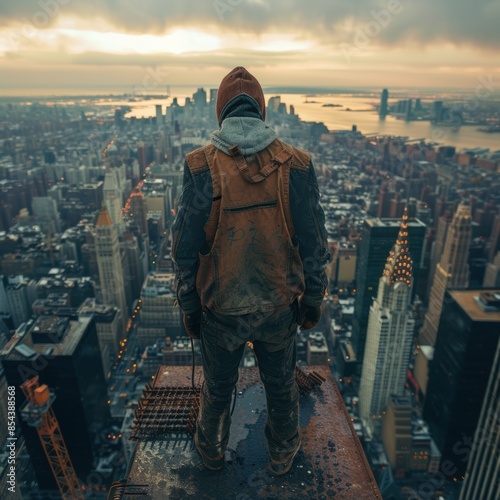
x: 390, y: 332
x: 492, y: 274
x: 452, y: 270
x: 108, y: 325
x: 377, y: 239
x: 384, y: 107
x: 458, y: 375
x: 109, y: 264
x: 45, y: 210
x: 397, y: 432
x: 138, y: 210
x: 438, y: 246
x: 494, y: 239
x: 200, y: 99
x: 159, y: 318
x: 482, y: 479
x: 64, y: 352
x: 438, y: 111
x: 5, y: 312
x: 159, y: 114
x: 406, y: 438
x: 273, y: 103
x: 134, y: 265
x: 409, y: 103
x: 113, y: 199
x: 18, y: 303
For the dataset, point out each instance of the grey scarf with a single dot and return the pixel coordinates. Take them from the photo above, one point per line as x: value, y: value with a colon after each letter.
x: 250, y: 134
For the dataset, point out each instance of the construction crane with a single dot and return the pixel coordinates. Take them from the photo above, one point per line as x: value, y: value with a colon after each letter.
x: 37, y: 412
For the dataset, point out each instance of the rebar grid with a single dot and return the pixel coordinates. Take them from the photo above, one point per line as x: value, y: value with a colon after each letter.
x: 163, y: 410
x: 307, y: 382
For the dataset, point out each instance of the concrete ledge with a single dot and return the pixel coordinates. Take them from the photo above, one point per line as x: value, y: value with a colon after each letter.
x: 330, y: 464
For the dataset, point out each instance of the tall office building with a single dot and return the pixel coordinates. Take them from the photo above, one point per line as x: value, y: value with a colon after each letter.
x: 438, y: 111
x: 109, y: 264
x: 138, y: 210
x: 113, y: 199
x: 482, y: 478
x: 200, y: 99
x: 458, y: 374
x: 44, y: 208
x: 423, y: 359
x: 409, y: 110
x: 494, y: 247
x: 159, y: 114
x: 134, y: 265
x: 4, y: 300
x: 158, y: 318
x: 492, y: 274
x: 273, y: 103
x: 397, y: 432
x: 18, y: 303
x: 452, y: 270
x: 377, y: 239
x: 64, y: 352
x: 406, y: 438
x: 155, y: 193
x: 438, y: 246
x: 385, y: 198
x: 108, y: 325
x: 390, y: 332
x: 384, y: 103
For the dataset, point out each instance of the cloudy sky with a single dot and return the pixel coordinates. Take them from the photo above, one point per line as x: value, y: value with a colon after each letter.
x: 63, y: 44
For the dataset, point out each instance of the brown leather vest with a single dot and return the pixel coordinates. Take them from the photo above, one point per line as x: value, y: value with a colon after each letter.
x: 250, y: 261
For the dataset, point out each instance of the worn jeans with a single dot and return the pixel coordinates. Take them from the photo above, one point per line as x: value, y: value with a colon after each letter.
x: 223, y: 340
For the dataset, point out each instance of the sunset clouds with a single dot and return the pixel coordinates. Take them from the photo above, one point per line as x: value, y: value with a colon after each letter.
x: 293, y: 42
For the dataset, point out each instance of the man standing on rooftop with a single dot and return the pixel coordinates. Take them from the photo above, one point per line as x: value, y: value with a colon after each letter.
x: 250, y: 248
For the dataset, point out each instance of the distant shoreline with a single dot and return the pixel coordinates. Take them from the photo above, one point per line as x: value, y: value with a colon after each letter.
x: 311, y: 92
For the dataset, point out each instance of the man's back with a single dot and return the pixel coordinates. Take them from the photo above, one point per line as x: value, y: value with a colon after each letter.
x: 250, y: 249
x: 250, y: 259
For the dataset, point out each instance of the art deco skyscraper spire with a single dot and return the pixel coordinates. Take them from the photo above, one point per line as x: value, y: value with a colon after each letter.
x: 452, y: 270
x: 390, y: 331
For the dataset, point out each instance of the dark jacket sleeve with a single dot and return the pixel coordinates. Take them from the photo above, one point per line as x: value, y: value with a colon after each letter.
x: 188, y: 236
x: 308, y: 219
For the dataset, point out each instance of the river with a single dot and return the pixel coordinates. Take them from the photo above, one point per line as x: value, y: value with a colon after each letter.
x: 361, y: 114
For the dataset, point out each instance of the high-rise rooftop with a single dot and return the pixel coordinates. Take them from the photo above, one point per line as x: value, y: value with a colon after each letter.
x: 330, y: 464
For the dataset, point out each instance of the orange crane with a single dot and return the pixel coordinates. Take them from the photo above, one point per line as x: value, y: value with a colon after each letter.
x: 37, y: 412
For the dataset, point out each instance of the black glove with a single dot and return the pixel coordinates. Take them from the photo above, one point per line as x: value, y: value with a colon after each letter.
x: 309, y: 316
x: 192, y: 323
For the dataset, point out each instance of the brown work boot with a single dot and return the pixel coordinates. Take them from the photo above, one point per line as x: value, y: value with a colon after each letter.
x: 212, y: 463
x: 280, y: 464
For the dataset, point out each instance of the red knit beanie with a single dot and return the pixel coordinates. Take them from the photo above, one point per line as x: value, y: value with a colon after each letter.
x: 239, y: 81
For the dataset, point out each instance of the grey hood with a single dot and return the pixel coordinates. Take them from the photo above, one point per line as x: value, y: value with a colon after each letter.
x: 250, y: 134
